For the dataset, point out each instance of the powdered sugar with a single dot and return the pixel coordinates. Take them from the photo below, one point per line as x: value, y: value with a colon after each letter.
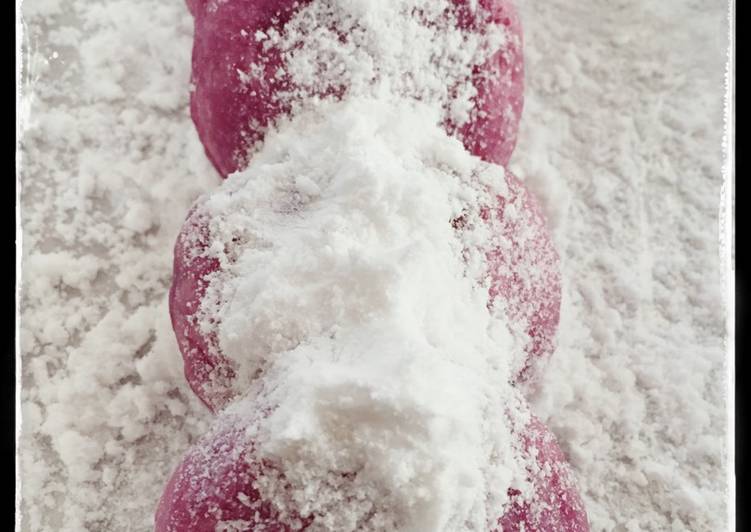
x: 345, y: 216
x: 350, y: 309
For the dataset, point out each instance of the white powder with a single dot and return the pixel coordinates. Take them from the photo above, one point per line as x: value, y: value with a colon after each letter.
x: 621, y: 138
x: 344, y: 290
x: 369, y: 442
x: 344, y: 217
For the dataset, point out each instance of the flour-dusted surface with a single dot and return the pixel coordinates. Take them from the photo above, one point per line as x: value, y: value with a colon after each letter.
x: 111, y: 164
x: 621, y: 138
x: 622, y: 134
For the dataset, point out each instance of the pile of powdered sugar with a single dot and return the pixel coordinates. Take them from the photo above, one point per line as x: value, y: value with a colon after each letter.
x: 621, y: 137
x: 347, y: 215
x: 351, y: 309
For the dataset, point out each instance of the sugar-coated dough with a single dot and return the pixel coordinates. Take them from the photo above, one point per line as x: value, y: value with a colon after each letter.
x: 556, y: 504
x: 338, y: 303
x: 525, y: 288
x: 243, y: 83
x: 213, y: 488
x: 208, y: 373
x: 526, y: 276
